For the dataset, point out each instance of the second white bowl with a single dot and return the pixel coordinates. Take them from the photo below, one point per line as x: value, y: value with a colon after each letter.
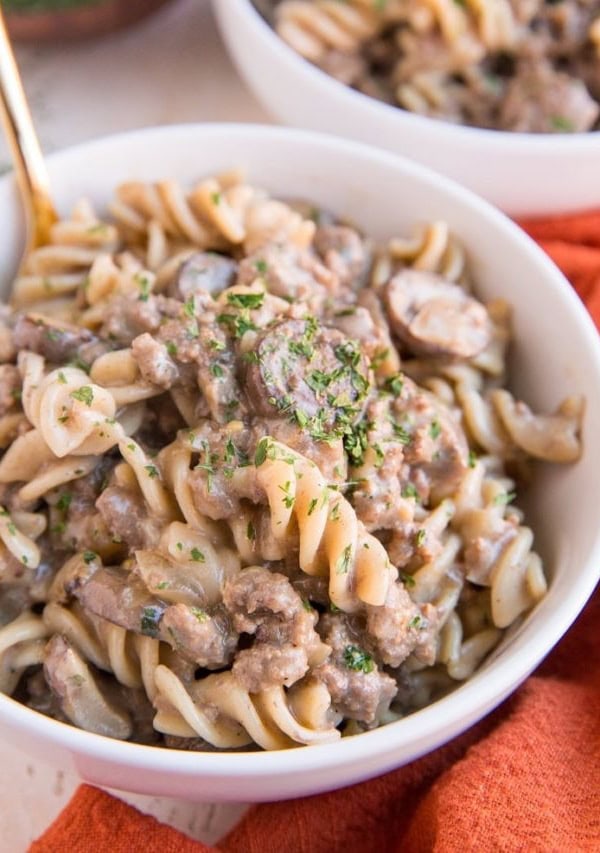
x: 519, y: 172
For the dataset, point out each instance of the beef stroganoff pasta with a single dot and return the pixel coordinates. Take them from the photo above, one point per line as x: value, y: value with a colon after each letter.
x: 259, y: 473
x: 519, y: 65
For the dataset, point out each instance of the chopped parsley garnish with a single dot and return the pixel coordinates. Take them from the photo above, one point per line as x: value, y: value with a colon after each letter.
x: 379, y: 455
x: 435, y: 429
x: 237, y: 326
x: 11, y: 529
x: 152, y: 471
x: 504, y: 498
x: 343, y: 563
x: 410, y: 491
x: 420, y: 537
x: 64, y: 501
x: 288, y: 498
x: 301, y: 348
x: 307, y: 605
x: 301, y: 418
x: 472, y: 458
x: 251, y: 532
x: 84, y: 394
x: 562, y: 124
x: 62, y: 378
x: 261, y: 266
x: 89, y: 556
x: 144, y: 286
x: 407, y: 580
x: 312, y: 505
x: 261, y: 451
x: 394, y: 384
x: 379, y: 358
x: 189, y: 308
x: 358, y: 660
x: 246, y: 300
x: 217, y: 371
x: 171, y: 347
x: 163, y: 585
x: 80, y: 363
x: 215, y: 198
x: 229, y: 454
x: 201, y: 615
x: 356, y: 442
x: 217, y: 346
x: 197, y: 555
x: 149, y: 621
x: 417, y: 622
x: 401, y: 433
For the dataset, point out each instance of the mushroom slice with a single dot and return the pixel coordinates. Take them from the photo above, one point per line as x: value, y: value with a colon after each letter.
x: 80, y: 697
x: 434, y: 317
x: 554, y: 438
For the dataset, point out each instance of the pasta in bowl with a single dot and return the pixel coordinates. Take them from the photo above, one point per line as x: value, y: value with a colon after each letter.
x: 500, y: 95
x: 259, y: 470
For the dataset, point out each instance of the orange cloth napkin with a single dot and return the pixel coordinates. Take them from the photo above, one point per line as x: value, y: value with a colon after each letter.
x: 527, y: 778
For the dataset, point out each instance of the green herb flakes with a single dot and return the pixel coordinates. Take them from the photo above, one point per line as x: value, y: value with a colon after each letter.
x: 149, y: 621
x: 201, y: 615
x: 197, y: 555
x: 246, y: 300
x: 504, y: 498
x: 358, y: 660
x: 84, y: 394
x: 343, y: 563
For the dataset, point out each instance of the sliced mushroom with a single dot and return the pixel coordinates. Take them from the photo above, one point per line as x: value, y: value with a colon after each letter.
x: 554, y: 438
x: 80, y: 697
x: 434, y: 317
x: 121, y: 598
x: 207, y: 271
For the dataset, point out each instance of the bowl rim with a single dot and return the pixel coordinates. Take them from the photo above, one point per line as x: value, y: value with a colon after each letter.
x: 408, y: 738
x: 509, y: 141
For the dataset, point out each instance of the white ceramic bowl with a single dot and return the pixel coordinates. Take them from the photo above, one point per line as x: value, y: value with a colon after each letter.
x: 521, y: 173
x: 556, y: 352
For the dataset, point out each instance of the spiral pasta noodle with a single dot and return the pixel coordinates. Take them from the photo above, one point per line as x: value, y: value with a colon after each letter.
x: 258, y: 472
x: 484, y: 63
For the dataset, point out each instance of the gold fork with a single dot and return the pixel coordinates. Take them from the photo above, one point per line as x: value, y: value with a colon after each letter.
x: 30, y: 169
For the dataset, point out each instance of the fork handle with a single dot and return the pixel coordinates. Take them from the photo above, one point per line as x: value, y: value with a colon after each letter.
x: 30, y: 168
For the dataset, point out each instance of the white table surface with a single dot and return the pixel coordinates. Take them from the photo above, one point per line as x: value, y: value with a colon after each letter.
x: 171, y: 68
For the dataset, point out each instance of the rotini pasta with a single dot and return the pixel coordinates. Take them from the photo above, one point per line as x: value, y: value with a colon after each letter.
x: 499, y: 64
x: 258, y: 473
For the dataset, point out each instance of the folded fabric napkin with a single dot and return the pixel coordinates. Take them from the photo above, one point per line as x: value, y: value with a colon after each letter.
x: 527, y: 778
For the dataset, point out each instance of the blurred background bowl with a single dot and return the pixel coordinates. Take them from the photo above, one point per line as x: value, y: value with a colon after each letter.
x: 556, y: 352
x: 521, y: 173
x: 66, y: 20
